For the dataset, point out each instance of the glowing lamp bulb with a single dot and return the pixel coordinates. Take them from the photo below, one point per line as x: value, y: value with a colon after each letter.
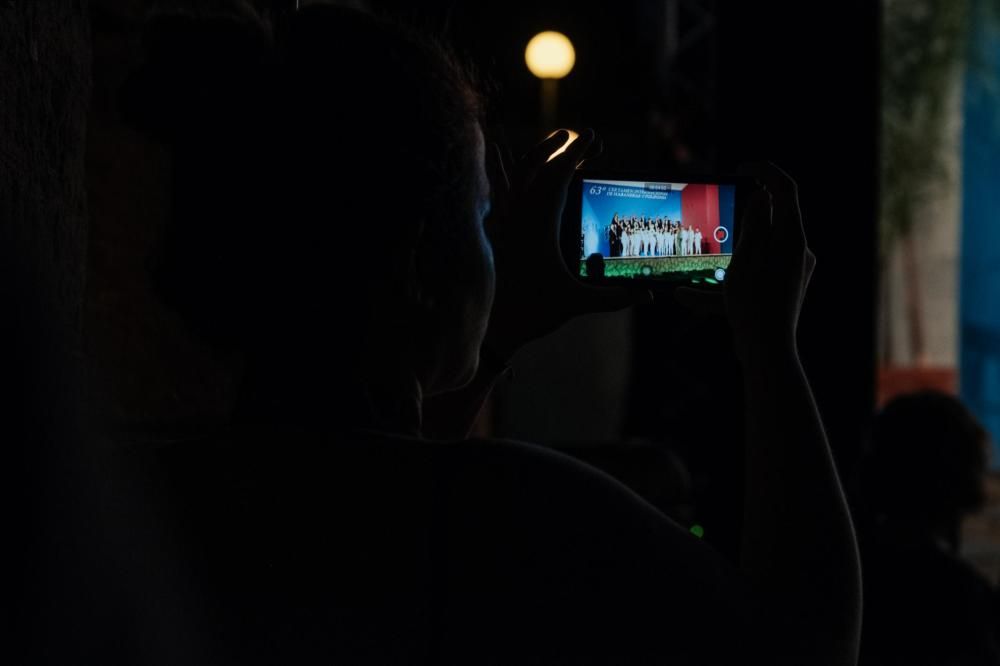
x: 550, y: 55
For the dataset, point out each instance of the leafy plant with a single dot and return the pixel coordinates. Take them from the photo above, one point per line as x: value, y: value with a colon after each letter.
x: 924, y: 44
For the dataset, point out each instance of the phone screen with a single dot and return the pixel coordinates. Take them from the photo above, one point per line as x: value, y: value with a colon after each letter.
x: 669, y: 231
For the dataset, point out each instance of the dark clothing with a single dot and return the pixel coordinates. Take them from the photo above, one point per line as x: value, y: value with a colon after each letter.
x: 369, y: 549
x: 923, y: 605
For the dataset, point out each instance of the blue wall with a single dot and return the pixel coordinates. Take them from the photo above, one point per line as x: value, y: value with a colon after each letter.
x: 979, y: 315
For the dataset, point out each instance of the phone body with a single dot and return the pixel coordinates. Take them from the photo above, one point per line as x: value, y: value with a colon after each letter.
x: 651, y: 230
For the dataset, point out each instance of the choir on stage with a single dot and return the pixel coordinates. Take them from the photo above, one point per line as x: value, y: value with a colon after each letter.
x: 638, y: 236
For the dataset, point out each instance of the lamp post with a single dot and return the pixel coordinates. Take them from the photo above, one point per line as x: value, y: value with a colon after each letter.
x: 550, y: 56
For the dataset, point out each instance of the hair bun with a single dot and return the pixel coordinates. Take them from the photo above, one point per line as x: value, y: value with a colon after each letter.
x: 201, y: 69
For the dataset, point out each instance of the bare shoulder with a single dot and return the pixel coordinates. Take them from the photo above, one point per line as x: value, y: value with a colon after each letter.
x: 556, y: 543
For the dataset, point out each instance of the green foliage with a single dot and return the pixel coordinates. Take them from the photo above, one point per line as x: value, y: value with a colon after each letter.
x: 924, y: 45
x: 690, y: 265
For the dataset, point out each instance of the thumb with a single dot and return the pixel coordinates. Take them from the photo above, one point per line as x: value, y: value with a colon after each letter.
x: 701, y: 300
x: 611, y: 299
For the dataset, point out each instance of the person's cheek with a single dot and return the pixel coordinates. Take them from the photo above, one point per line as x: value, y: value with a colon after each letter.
x: 491, y: 274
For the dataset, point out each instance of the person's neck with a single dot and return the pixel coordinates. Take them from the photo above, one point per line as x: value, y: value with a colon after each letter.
x: 389, y: 402
x: 396, y: 404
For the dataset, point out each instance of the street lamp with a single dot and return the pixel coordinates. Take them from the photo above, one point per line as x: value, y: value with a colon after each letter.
x: 550, y: 56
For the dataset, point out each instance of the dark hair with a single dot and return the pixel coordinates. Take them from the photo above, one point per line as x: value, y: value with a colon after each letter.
x: 279, y: 145
x: 924, y: 459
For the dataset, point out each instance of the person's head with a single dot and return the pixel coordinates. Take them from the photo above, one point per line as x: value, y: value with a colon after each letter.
x: 271, y: 165
x: 924, y: 462
x: 595, y: 265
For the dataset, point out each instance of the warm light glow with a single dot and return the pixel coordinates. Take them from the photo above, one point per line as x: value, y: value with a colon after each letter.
x: 550, y: 55
x: 573, y: 136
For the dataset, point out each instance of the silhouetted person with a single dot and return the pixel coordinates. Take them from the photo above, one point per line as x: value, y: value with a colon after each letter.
x: 924, y: 469
x: 595, y: 265
x: 344, y: 517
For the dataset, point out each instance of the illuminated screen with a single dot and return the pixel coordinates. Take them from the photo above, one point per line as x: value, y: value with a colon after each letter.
x: 670, y: 231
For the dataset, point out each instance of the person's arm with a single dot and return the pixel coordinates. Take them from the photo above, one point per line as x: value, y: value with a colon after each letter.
x: 799, y: 557
x: 530, y: 302
x: 799, y: 554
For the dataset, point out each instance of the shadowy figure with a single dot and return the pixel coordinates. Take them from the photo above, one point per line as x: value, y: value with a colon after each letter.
x: 332, y: 225
x: 923, y: 471
x: 595, y: 265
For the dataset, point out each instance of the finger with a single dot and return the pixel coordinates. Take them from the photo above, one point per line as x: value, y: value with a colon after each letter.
x: 785, y: 194
x: 756, y: 223
x: 533, y: 161
x: 586, y: 151
x: 609, y: 299
x: 541, y: 152
x: 701, y: 300
x: 595, y: 150
x: 562, y: 166
x: 577, y: 149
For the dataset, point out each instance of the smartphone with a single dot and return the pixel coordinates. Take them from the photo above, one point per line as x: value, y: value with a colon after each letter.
x: 651, y: 229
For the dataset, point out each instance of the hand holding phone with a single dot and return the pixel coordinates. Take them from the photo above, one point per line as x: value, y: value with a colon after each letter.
x: 535, y: 292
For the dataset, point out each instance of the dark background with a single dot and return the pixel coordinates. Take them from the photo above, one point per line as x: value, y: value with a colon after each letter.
x: 673, y: 85
x: 702, y: 86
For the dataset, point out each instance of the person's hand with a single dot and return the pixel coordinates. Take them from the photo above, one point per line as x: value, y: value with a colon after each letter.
x: 536, y: 293
x: 770, y: 270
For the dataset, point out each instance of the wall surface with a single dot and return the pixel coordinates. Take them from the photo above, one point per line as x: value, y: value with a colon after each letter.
x: 44, y: 97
